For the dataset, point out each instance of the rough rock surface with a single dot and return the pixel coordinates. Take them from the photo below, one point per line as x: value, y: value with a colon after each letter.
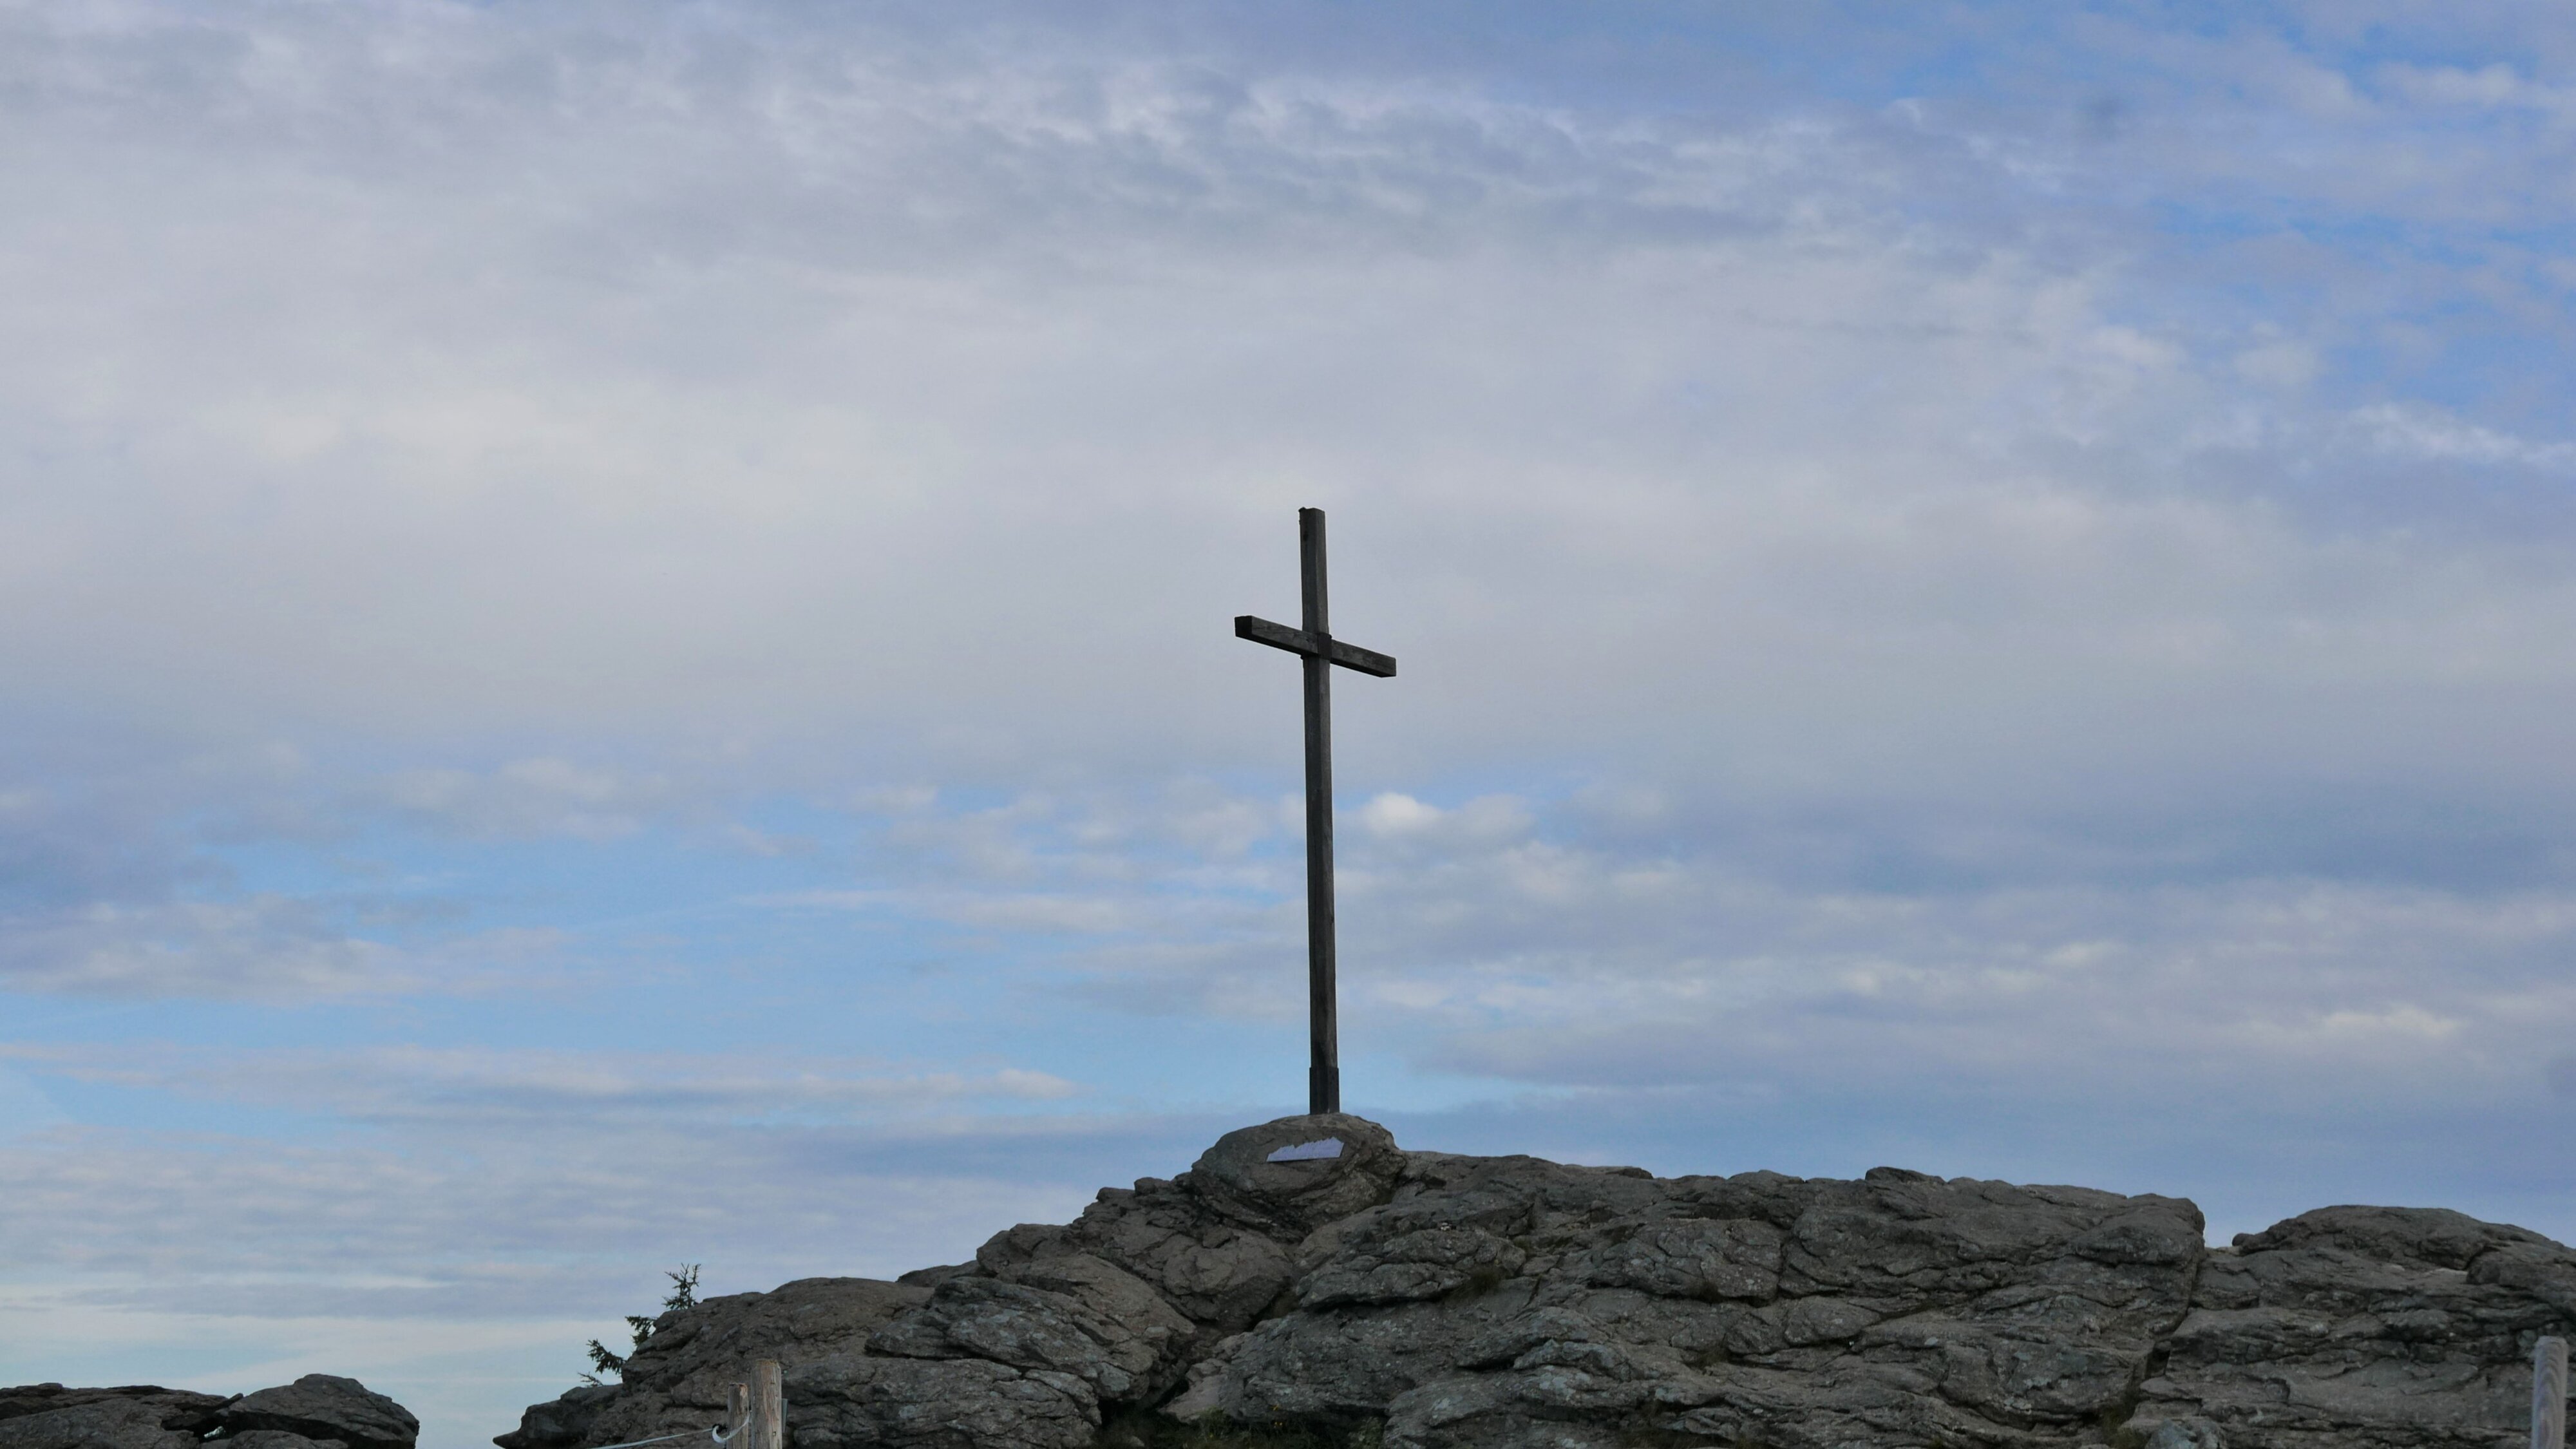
x: 317, y: 1411
x: 2414, y: 1322
x: 323, y: 1407
x: 677, y: 1380
x: 143, y: 1416
x: 1443, y: 1302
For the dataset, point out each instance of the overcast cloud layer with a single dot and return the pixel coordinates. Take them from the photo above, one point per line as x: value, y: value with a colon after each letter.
x: 615, y: 620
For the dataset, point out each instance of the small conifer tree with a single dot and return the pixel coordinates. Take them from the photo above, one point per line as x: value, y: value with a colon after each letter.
x: 684, y: 1294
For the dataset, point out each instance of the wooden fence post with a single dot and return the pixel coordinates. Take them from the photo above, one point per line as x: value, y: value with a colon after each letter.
x: 2549, y: 1394
x: 769, y: 1400
x: 737, y: 1411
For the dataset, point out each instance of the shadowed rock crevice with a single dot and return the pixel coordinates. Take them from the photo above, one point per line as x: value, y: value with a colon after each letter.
x: 1284, y: 1296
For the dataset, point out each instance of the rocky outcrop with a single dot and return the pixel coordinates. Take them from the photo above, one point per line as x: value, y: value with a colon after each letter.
x: 1308, y: 1279
x: 317, y: 1411
x: 677, y: 1380
x: 49, y: 1416
x: 324, y: 1409
x: 2412, y: 1325
x: 1517, y: 1301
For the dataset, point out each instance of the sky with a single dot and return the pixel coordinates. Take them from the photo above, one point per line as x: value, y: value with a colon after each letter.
x: 615, y: 638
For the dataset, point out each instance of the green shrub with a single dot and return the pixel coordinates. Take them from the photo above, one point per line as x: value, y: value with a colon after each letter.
x: 684, y: 1294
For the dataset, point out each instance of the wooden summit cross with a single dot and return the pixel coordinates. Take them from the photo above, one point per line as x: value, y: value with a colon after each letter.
x: 1320, y: 651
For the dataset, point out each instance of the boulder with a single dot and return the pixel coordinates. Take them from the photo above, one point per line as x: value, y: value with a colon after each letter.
x: 1289, y: 1177
x: 322, y: 1407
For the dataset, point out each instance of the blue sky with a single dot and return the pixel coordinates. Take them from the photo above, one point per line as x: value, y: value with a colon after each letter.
x: 615, y: 625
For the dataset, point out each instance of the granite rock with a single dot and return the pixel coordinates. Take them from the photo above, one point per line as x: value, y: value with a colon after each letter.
x: 677, y: 1381
x: 1756, y: 1309
x: 1073, y: 1314
x: 141, y: 1416
x: 323, y: 1407
x: 317, y: 1411
x: 1306, y: 1276
x: 854, y: 1402
x: 2409, y: 1328
x: 562, y: 1421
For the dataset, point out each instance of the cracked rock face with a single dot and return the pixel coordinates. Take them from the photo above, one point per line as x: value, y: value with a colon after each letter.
x: 1307, y: 1274
x: 1900, y: 1310
x: 2397, y: 1326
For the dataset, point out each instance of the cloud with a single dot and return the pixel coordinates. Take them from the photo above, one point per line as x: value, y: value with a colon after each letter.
x: 504, y: 1181
x: 2434, y: 435
x: 484, y: 1088
x: 2283, y: 989
x: 2493, y: 85
x: 264, y: 948
x: 543, y: 796
x: 1481, y: 821
x: 627, y: 603
x: 1565, y: 946
x: 524, y: 550
x: 460, y: 1262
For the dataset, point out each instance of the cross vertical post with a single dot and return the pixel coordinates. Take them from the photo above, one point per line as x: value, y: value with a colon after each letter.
x: 1323, y: 1008
x: 1318, y: 651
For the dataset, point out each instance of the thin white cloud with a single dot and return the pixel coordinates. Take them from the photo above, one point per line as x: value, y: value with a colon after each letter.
x: 539, y: 796
x: 528, y: 1089
x: 2438, y: 435
x: 266, y: 948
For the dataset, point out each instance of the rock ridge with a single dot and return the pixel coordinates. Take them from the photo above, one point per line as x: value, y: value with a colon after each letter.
x: 1307, y: 1280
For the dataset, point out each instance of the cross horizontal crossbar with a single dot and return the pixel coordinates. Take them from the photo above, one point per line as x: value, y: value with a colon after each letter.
x: 1298, y: 641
